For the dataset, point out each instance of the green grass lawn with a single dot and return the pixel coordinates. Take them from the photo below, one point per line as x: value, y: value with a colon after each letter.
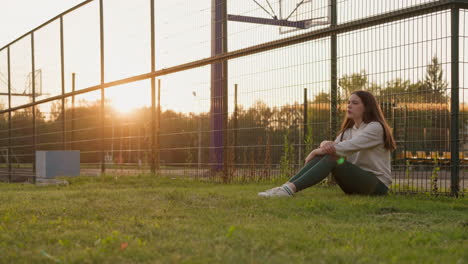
x: 143, y: 219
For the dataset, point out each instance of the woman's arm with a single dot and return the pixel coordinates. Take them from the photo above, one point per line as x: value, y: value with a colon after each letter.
x: 329, y: 148
x: 315, y: 152
x: 326, y: 147
x: 326, y: 142
x: 371, y: 136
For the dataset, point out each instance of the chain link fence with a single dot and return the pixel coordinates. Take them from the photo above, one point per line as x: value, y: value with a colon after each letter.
x: 236, y: 91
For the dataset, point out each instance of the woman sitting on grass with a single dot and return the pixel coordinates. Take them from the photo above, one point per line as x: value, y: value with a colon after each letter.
x: 365, y: 140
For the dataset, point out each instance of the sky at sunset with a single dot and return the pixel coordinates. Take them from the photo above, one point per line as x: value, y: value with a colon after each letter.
x: 20, y: 16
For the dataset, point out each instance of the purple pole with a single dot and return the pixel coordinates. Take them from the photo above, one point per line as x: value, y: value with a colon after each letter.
x: 218, y: 83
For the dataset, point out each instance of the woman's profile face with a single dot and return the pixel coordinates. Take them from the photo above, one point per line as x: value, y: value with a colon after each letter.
x: 355, y: 107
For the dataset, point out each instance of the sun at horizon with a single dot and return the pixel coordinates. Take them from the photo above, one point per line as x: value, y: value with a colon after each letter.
x: 127, y: 98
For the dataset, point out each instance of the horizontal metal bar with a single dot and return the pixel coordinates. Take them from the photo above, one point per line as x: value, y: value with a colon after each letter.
x: 346, y: 27
x: 20, y: 94
x: 267, y: 21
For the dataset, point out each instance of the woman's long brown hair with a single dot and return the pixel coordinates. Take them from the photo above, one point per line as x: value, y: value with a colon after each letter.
x: 372, y: 112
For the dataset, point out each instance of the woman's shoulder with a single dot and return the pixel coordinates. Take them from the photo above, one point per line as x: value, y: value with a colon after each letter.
x: 375, y: 125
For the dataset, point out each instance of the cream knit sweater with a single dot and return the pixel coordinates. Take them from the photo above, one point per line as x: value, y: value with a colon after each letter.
x: 364, y: 147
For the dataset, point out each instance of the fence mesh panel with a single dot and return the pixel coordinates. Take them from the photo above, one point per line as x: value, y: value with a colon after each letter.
x: 228, y: 91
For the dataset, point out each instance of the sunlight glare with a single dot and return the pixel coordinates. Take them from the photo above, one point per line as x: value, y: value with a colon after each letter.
x: 129, y: 97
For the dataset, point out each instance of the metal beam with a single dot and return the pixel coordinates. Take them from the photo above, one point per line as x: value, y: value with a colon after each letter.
x: 20, y: 94
x: 268, y: 21
x: 460, y: 2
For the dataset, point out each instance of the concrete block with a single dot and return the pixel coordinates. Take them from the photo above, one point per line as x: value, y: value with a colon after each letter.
x: 50, y: 164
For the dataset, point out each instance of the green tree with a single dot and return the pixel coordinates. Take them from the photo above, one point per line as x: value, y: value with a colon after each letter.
x: 322, y: 98
x: 434, y: 84
x: 401, y: 90
x: 351, y: 83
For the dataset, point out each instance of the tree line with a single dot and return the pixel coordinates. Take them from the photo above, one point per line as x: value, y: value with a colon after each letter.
x: 261, y: 136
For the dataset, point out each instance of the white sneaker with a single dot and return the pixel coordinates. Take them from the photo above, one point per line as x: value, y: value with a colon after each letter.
x: 267, y: 192
x: 275, y: 192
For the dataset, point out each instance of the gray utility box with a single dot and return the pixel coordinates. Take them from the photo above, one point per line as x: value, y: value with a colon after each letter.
x: 50, y: 164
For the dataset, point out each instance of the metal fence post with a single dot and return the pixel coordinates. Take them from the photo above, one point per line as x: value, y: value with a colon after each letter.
x: 305, y: 128
x: 102, y: 117
x: 153, y: 126
x: 153, y: 93
x: 62, y: 69
x: 219, y: 87
x: 305, y: 118
x: 236, y: 123
x: 225, y: 96
x: 158, y: 128
x: 333, y: 73
x: 9, y: 114
x: 454, y: 124
x: 72, y: 136
x: 33, y: 85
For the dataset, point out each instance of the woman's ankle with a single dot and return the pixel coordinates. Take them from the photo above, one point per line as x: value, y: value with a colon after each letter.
x: 291, y: 186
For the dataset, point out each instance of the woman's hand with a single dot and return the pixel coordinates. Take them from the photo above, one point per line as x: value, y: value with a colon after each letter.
x: 329, y: 148
x: 309, y: 157
x: 314, y: 153
x: 326, y: 142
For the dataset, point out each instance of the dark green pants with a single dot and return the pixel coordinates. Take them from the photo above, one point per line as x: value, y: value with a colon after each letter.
x: 350, y: 178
